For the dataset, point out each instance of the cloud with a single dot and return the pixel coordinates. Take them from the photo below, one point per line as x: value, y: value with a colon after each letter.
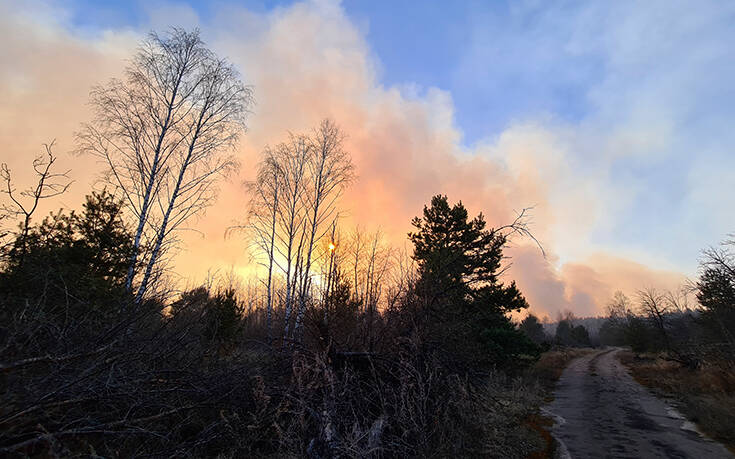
x: 643, y: 95
x: 585, y: 286
x: 45, y: 78
x: 309, y: 61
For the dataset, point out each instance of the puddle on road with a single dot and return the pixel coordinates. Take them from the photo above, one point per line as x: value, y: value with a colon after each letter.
x: 562, y: 452
x: 558, y: 420
x: 673, y: 414
x: 686, y: 425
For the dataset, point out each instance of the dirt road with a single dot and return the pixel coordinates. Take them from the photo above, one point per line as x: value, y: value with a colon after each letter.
x: 600, y: 411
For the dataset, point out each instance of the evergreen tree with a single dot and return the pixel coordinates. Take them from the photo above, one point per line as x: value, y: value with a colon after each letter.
x: 71, y: 257
x: 580, y: 336
x: 563, y: 332
x: 533, y: 329
x: 465, y: 303
x: 716, y: 295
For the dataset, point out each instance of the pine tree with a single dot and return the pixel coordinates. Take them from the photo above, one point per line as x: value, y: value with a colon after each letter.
x: 533, y: 329
x: 72, y: 256
x: 465, y: 303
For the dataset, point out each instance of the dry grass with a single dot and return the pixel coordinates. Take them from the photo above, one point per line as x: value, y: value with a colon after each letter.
x: 706, y: 396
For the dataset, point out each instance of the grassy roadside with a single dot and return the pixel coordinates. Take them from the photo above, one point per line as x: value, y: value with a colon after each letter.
x: 546, y: 372
x: 706, y: 396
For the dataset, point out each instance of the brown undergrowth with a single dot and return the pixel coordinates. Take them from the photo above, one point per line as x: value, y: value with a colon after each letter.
x: 706, y: 396
x: 542, y: 425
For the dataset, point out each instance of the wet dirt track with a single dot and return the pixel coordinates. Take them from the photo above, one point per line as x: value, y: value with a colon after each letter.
x: 600, y: 411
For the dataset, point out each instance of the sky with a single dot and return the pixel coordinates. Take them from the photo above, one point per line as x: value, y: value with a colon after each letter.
x: 612, y: 119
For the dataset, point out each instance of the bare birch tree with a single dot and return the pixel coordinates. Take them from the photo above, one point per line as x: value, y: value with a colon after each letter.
x: 262, y: 223
x: 330, y: 170
x: 212, y: 126
x: 293, y: 208
x: 356, y: 250
x: 292, y: 158
x: 162, y: 133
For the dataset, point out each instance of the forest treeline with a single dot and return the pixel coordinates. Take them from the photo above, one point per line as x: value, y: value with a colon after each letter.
x: 342, y: 347
x: 692, y: 325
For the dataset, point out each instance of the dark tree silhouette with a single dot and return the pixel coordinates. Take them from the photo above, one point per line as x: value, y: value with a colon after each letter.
x: 563, y: 332
x: 459, y: 262
x: 82, y: 255
x: 533, y: 329
x: 715, y: 292
x: 580, y: 336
